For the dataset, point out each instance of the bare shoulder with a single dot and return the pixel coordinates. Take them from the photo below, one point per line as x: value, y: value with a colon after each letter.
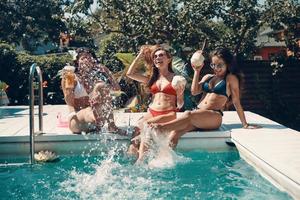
x: 231, y: 78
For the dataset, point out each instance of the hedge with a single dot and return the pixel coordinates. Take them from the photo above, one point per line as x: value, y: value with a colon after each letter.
x: 14, y: 70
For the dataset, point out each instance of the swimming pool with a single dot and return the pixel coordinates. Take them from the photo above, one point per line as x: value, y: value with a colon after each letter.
x: 194, y: 174
x: 256, y: 147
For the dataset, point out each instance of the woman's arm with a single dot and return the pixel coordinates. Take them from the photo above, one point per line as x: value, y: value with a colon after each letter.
x: 115, y: 85
x: 131, y: 73
x: 195, y: 88
x: 235, y: 95
x: 196, y: 85
x: 178, y: 83
x: 180, y: 96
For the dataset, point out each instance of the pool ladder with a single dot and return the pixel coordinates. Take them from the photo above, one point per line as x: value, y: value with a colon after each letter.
x: 34, y: 68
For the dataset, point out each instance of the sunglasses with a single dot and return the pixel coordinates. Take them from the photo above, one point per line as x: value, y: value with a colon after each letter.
x: 159, y: 55
x: 217, y: 66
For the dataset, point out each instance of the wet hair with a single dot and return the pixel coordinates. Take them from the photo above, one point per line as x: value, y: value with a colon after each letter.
x: 231, y: 68
x: 84, y: 51
x: 154, y: 70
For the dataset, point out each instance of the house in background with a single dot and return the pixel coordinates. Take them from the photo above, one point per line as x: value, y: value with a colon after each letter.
x: 267, y: 45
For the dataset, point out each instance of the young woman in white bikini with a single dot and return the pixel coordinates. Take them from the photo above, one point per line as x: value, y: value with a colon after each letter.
x: 89, y: 100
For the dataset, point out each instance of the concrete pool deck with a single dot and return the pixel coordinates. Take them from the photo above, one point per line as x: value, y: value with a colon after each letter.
x: 274, y: 150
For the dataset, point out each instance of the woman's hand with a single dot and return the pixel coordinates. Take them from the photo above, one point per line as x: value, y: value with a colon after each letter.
x: 251, y: 126
x: 141, y: 53
x: 198, y: 68
x: 116, y: 87
x: 98, y: 86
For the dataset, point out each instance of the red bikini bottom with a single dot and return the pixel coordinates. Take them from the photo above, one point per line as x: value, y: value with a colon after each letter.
x: 155, y: 113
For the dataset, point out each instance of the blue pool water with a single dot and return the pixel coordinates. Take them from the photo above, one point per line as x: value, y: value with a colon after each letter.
x: 194, y: 175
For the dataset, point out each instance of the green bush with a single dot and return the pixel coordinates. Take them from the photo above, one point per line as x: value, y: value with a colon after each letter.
x: 9, y: 71
x: 15, y: 68
x: 50, y: 64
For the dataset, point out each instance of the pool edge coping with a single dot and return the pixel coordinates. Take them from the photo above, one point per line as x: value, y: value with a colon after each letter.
x: 269, y: 172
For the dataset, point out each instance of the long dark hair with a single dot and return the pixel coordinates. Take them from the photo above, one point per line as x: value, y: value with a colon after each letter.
x: 232, y: 68
x: 155, y: 72
x: 84, y: 51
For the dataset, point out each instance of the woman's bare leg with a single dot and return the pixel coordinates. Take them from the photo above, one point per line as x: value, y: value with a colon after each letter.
x: 81, y: 120
x: 175, y: 135
x: 103, y: 108
x: 157, y: 119
x: 191, y: 120
x: 141, y: 152
x: 204, y: 119
x: 134, y: 147
x: 173, y: 138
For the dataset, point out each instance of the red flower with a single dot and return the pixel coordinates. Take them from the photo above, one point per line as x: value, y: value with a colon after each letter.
x: 44, y: 84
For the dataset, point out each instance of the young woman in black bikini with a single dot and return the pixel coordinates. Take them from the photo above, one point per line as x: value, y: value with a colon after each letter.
x: 220, y: 88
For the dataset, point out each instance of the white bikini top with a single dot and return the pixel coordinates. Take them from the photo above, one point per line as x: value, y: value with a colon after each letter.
x: 79, y: 91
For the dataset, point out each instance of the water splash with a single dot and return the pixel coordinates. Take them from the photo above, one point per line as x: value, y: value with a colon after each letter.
x: 110, y: 179
x: 160, y: 154
x: 114, y: 177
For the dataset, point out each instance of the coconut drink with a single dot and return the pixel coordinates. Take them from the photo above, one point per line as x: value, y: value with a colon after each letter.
x: 197, y: 59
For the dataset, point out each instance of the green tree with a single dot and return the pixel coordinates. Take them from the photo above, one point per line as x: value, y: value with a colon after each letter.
x: 31, y: 22
x: 284, y: 15
x: 233, y: 23
x: 180, y: 23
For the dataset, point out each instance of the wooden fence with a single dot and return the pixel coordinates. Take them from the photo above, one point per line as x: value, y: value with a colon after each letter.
x: 275, y: 96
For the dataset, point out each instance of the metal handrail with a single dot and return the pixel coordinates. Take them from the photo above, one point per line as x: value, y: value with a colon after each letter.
x: 35, y: 68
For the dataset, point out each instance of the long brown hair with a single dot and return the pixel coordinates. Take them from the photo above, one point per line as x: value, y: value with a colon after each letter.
x: 232, y: 68
x: 155, y: 72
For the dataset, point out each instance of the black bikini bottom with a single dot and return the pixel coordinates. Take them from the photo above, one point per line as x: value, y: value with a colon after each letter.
x: 201, y: 129
x: 219, y: 111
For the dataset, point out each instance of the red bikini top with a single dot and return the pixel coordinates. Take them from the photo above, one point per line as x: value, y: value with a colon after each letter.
x: 167, y: 89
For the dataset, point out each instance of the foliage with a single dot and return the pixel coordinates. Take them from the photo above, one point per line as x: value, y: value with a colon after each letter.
x: 15, y: 72
x: 273, y: 95
x: 284, y: 15
x: 126, y: 59
x: 31, y: 22
x: 285, y: 106
x: 180, y: 23
x: 80, y: 30
x: 3, y: 86
x: 8, y: 64
x: 109, y: 46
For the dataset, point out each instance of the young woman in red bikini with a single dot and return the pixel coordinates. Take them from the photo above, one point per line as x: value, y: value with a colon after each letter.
x: 167, y: 97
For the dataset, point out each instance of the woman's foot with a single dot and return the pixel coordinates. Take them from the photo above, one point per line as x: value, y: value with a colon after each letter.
x: 133, y: 151
x: 174, y: 138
